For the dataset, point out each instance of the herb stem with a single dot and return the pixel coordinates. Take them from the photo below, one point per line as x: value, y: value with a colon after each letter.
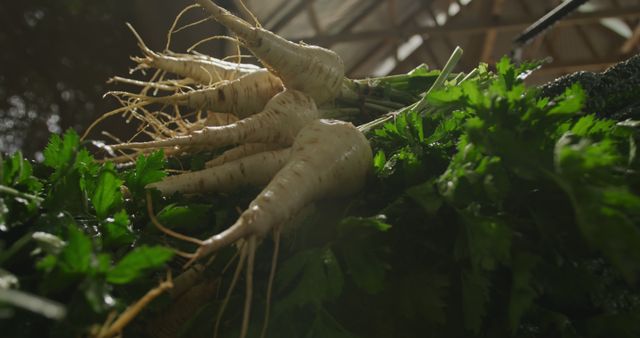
x: 418, y: 106
x: 11, y: 191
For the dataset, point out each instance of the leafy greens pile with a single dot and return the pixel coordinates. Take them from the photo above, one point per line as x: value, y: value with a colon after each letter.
x: 497, y: 211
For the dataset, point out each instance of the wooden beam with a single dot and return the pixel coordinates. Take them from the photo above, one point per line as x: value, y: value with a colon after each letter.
x: 313, y: 18
x: 500, y: 25
x: 426, y: 46
x: 587, y: 41
x: 546, y: 39
x: 617, y: 4
x: 447, y: 40
x: 408, y: 62
x: 632, y: 42
x: 492, y: 33
x: 285, y: 18
x: 384, y: 43
x: 360, y: 14
x: 393, y: 22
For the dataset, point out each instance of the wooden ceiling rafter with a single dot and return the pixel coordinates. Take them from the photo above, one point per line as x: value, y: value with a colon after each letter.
x: 284, y: 19
x: 445, y: 38
x: 633, y: 42
x: 426, y: 47
x: 580, y: 30
x: 381, y: 45
x: 393, y: 22
x: 546, y: 40
x: 491, y: 34
x: 481, y: 38
x: 466, y: 28
x: 473, y: 49
x: 313, y: 18
x: 360, y: 14
x: 617, y: 4
x: 432, y: 14
x: 584, y: 36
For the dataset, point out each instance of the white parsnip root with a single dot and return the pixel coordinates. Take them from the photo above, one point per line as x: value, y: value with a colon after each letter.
x: 240, y: 152
x: 314, y: 70
x: 242, y: 97
x: 280, y: 139
x: 284, y: 115
x: 253, y: 170
x: 328, y: 158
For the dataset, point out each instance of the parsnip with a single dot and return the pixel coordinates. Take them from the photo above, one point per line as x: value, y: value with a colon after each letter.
x: 203, y: 69
x: 282, y: 141
x: 316, y: 71
x: 242, y: 97
x: 328, y: 158
x: 240, y: 152
x: 284, y: 115
x: 253, y: 170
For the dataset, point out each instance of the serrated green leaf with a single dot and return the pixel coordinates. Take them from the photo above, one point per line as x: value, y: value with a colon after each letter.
x: 16, y: 171
x: 60, y: 151
x: 444, y: 96
x: 184, y: 216
x: 88, y: 169
x: 379, y: 161
x: 472, y: 91
x: 139, y: 260
x: 575, y: 156
x: 103, y: 263
x: 76, y: 255
x: 571, y: 101
x: 107, y: 195
x: 118, y: 230
x: 47, y: 263
x: 148, y: 170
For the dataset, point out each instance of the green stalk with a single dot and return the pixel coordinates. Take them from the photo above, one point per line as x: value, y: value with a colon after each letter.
x: 448, y: 67
x: 16, y: 193
x: 418, y: 106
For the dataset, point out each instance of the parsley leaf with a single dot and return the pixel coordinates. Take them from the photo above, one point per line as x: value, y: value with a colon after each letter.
x: 138, y: 261
x: 148, y: 170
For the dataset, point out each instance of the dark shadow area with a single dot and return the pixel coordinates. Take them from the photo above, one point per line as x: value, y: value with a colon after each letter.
x: 57, y: 56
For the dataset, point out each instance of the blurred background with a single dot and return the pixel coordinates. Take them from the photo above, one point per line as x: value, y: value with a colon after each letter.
x: 57, y: 55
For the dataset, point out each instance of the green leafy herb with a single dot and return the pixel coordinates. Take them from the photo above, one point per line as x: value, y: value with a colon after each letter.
x: 136, y: 262
x: 148, y: 170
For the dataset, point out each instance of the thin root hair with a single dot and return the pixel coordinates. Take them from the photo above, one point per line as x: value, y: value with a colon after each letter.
x: 175, y: 22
